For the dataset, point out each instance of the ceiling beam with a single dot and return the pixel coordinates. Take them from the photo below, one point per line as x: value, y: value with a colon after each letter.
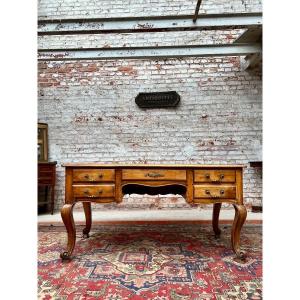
x: 251, y: 35
x: 252, y: 61
x: 149, y: 24
x: 148, y: 52
x: 197, y: 10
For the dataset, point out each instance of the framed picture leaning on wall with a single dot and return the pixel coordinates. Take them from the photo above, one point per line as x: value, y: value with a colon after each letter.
x: 42, y: 142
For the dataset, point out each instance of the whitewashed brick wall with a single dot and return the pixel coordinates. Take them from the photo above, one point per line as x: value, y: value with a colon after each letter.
x: 127, y: 8
x: 90, y: 109
x: 141, y: 39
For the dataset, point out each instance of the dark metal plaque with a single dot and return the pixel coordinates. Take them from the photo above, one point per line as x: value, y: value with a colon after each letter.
x: 157, y: 100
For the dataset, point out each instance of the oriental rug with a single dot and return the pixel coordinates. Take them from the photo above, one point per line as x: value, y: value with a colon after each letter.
x: 161, y: 262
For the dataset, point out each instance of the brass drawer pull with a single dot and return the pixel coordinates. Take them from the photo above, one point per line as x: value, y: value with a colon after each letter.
x: 207, y: 192
x: 100, y: 175
x: 86, y: 192
x: 154, y: 175
x: 207, y: 176
x: 219, y: 180
x: 87, y: 176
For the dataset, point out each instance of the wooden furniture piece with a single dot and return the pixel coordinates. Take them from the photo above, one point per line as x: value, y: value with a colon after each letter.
x: 198, y: 184
x: 42, y: 142
x: 256, y: 164
x: 46, y: 178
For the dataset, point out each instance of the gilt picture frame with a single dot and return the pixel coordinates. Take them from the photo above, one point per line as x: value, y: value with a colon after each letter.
x: 42, y: 145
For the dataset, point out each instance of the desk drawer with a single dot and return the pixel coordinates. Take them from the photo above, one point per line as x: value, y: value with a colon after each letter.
x: 45, y: 174
x: 214, y: 176
x: 93, y: 175
x: 94, y: 191
x: 153, y: 174
x: 215, y: 192
x: 46, y: 167
x: 46, y: 181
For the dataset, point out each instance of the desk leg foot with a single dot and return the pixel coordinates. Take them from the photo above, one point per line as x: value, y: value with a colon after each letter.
x: 65, y: 256
x: 67, y: 217
x: 215, y: 220
x: 239, y: 219
x: 88, y: 218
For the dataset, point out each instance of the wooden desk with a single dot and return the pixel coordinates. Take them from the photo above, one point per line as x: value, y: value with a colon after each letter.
x: 46, y: 178
x: 198, y: 184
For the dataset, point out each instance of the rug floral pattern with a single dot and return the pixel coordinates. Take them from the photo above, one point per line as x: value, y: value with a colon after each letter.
x: 161, y: 262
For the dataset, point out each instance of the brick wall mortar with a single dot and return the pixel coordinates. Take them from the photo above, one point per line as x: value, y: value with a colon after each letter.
x: 89, y: 106
x: 142, y: 39
x: 107, y: 9
x: 91, y: 113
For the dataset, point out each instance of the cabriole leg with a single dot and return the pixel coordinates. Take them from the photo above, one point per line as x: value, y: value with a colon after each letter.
x: 88, y: 218
x: 215, y: 220
x: 67, y: 217
x: 239, y: 219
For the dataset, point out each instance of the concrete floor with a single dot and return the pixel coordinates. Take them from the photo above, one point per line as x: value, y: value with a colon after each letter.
x: 149, y: 215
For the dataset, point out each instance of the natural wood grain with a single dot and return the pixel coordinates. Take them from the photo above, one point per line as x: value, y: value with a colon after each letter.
x: 46, y: 174
x: 94, y: 191
x: 68, y: 186
x: 47, y: 163
x: 154, y: 182
x: 239, y: 219
x: 153, y: 174
x: 214, y: 176
x: 45, y: 181
x: 47, y: 178
x: 93, y: 175
x: 96, y: 200
x: 88, y: 218
x: 169, y: 166
x: 198, y: 184
x: 119, y: 194
x: 239, y: 186
x: 189, y: 182
x: 215, y: 220
x: 214, y: 191
x: 67, y: 217
x: 213, y: 201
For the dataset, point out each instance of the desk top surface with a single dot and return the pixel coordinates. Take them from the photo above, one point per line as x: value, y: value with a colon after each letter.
x: 47, y: 162
x: 123, y: 165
